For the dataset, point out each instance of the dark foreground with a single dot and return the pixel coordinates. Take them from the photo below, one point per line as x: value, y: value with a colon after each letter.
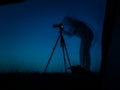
x: 48, y: 81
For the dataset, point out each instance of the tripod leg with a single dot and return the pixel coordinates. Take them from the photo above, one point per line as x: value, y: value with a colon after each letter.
x: 67, y: 54
x: 63, y: 49
x: 51, y: 54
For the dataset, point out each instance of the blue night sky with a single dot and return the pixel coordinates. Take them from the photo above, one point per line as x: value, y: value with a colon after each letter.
x: 27, y: 36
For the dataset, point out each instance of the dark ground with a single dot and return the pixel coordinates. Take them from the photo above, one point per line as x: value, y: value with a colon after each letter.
x: 48, y: 81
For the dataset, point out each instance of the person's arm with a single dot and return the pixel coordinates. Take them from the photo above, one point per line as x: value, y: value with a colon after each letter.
x: 68, y: 33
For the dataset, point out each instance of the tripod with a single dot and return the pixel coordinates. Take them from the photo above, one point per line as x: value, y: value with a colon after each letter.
x: 64, y: 49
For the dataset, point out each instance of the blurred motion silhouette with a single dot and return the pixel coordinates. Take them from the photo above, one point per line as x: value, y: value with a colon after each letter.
x: 80, y: 29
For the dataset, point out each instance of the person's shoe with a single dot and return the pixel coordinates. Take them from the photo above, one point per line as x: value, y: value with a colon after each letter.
x: 78, y: 70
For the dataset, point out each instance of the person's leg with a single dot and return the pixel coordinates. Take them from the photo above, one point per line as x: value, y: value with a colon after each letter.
x: 87, y: 46
x: 81, y: 54
x: 85, y: 59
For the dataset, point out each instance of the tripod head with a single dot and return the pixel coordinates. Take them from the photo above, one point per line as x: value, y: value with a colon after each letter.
x: 60, y: 26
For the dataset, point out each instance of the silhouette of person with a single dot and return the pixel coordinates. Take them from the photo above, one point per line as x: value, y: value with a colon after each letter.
x: 81, y: 30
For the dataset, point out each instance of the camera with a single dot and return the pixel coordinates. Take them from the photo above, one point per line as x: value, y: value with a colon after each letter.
x: 60, y: 26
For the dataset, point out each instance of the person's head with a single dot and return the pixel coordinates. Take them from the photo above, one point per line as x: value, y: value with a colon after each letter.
x: 68, y: 23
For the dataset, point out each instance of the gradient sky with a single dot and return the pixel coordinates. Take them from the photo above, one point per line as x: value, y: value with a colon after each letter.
x: 27, y: 36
